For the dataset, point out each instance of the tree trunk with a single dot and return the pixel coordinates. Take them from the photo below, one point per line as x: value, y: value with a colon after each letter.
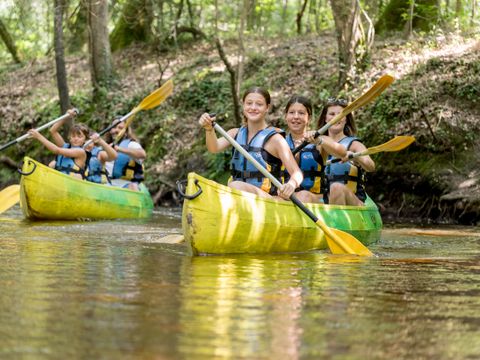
x: 9, y: 43
x: 62, y: 84
x: 252, y: 15
x: 233, y: 82
x: 458, y: 8
x: 409, y: 24
x: 425, y: 15
x: 231, y: 71
x: 241, y: 48
x: 100, y: 56
x: 474, y: 10
x: 177, y: 19
x: 299, y: 17
x: 78, y: 28
x: 190, y: 14
x: 134, y: 24
x: 346, y: 14
x: 366, y: 40
x: 284, y: 14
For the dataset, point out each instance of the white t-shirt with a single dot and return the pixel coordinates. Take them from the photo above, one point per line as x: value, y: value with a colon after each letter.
x: 109, y: 165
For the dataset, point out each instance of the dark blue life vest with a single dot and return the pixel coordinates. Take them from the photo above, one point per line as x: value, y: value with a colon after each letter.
x: 96, y: 170
x: 67, y: 165
x: 311, y: 163
x: 347, y: 173
x: 125, y: 167
x: 243, y: 170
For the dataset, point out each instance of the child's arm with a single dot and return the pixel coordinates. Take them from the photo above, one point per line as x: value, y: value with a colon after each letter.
x: 74, y: 153
x: 54, y: 130
x: 108, y: 153
x: 137, y: 153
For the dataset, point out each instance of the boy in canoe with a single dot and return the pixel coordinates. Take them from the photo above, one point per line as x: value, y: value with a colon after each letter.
x: 265, y: 143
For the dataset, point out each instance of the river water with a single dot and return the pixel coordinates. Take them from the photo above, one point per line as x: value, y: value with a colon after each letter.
x: 113, y: 290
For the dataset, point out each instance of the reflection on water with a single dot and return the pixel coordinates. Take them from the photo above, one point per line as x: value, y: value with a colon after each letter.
x: 113, y: 290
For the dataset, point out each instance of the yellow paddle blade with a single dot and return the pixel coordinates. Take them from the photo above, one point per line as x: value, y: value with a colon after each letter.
x: 150, y: 102
x: 396, y: 144
x: 156, y: 97
x: 341, y: 242
x: 9, y: 197
x: 371, y: 94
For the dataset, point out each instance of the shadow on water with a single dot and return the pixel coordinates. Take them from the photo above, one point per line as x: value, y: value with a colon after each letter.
x: 111, y: 289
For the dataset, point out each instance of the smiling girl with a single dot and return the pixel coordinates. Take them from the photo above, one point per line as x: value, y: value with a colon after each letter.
x: 265, y: 143
x: 346, y: 179
x: 312, y: 158
x: 71, y: 157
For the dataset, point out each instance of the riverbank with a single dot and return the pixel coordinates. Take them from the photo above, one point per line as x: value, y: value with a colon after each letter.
x: 435, y: 98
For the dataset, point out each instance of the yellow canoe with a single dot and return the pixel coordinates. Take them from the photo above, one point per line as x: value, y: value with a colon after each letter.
x: 219, y: 220
x: 48, y: 194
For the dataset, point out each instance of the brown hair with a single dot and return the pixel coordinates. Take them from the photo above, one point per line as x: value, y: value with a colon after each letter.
x: 350, y: 128
x: 301, y: 100
x: 129, y: 133
x: 257, y: 90
x: 79, y: 129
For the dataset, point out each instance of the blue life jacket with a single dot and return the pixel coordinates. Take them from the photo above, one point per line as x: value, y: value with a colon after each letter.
x: 96, y: 170
x: 67, y: 165
x: 311, y: 163
x: 125, y: 167
x: 347, y: 173
x: 243, y: 170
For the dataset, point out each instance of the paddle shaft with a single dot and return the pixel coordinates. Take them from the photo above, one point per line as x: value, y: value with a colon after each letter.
x: 323, y: 129
x: 115, y: 123
x: 263, y: 170
x: 396, y: 144
x: 371, y: 94
x: 40, y: 128
x: 350, y: 157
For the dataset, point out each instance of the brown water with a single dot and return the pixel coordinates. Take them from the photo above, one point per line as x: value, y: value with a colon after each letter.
x: 111, y: 290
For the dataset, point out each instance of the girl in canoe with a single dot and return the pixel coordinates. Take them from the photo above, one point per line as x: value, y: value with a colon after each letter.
x: 265, y: 143
x: 346, y: 179
x: 100, y: 152
x: 71, y: 157
x: 312, y: 158
x: 127, y: 170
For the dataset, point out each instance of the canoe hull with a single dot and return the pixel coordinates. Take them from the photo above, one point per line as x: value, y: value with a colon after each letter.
x: 48, y: 194
x: 223, y: 220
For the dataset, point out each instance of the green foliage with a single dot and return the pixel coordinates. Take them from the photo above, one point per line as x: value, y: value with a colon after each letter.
x: 209, y: 92
x: 397, y: 12
x: 218, y: 166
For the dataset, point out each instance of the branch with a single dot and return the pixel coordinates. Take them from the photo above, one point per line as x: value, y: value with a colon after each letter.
x: 9, y: 162
x: 233, y: 80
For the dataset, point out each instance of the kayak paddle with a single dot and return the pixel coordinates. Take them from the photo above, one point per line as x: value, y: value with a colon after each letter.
x: 9, y: 197
x: 44, y: 126
x: 151, y: 101
x: 338, y: 241
x: 371, y: 94
x: 396, y: 144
